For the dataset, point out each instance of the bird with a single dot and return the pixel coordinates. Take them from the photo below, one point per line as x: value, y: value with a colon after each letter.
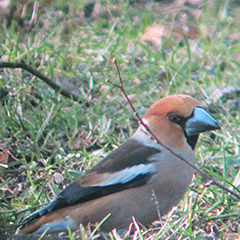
x: 142, y: 179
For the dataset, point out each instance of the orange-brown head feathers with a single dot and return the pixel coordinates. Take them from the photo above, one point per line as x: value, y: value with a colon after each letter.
x: 177, y: 120
x: 178, y: 103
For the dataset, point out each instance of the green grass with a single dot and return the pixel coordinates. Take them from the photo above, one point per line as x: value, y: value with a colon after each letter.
x: 47, y: 133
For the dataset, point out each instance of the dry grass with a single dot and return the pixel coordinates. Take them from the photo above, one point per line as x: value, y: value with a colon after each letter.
x: 162, y: 48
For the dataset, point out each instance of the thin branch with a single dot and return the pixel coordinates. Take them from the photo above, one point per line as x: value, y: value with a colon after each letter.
x: 45, y: 79
x: 209, y: 178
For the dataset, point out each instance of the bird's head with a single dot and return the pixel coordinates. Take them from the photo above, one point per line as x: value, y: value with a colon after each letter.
x: 177, y: 119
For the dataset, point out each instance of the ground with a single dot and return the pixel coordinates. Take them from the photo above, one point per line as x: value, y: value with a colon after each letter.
x: 162, y: 47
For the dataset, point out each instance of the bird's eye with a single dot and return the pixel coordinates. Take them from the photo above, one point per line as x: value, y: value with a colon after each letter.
x: 174, y: 118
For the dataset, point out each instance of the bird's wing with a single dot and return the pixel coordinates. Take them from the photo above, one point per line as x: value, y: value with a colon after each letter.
x: 131, y: 165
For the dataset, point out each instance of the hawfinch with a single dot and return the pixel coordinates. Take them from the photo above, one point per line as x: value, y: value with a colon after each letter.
x: 140, y: 179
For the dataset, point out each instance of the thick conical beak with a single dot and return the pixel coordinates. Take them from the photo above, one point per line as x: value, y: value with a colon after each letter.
x: 201, y: 121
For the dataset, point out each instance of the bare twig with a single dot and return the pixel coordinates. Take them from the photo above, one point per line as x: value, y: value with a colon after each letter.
x: 209, y: 178
x: 45, y: 79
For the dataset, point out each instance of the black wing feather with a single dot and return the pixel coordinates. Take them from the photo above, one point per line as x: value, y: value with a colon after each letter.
x: 75, y: 193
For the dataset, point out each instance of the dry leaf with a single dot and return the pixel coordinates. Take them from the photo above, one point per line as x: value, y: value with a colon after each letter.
x: 4, y: 154
x: 155, y: 33
x: 58, y: 177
